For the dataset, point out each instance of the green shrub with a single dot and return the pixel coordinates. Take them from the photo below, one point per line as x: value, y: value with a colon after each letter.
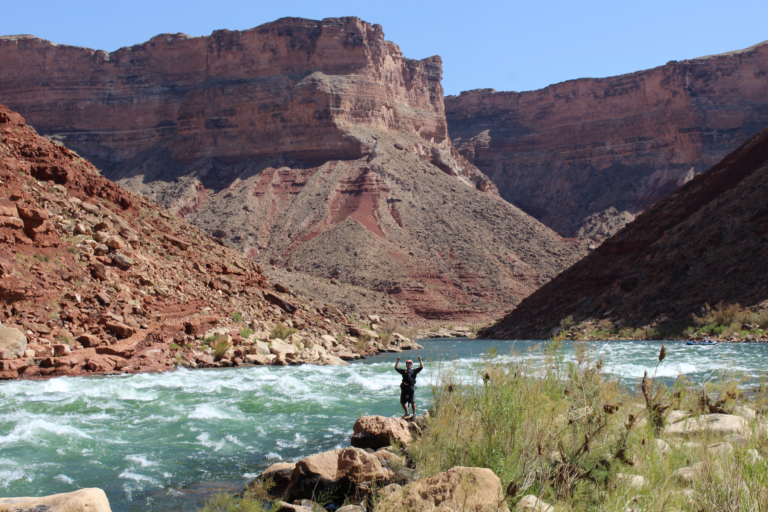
x: 237, y: 317
x: 174, y: 346
x: 282, y: 331
x: 220, y: 347
x: 246, y: 331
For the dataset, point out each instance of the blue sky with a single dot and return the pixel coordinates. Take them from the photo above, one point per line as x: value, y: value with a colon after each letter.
x: 510, y: 45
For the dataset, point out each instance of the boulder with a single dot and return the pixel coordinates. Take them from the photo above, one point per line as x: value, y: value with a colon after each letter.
x: 115, y: 242
x: 262, y: 359
x: 458, y: 489
x: 280, y: 302
x: 12, y: 340
x: 278, y: 474
x: 82, y: 500
x: 120, y: 329
x: 122, y: 261
x: 200, y: 325
x: 334, y: 473
x: 377, y: 432
x: 89, y: 340
x: 720, y: 424
x: 531, y: 503
x: 278, y: 347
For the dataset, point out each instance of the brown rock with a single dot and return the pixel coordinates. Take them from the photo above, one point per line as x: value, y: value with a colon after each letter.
x: 82, y: 500
x: 89, y: 340
x: 115, y: 242
x: 280, y: 476
x: 377, y: 432
x: 123, y: 350
x: 335, y: 472
x: 11, y: 222
x: 122, y: 261
x: 201, y: 324
x: 99, y: 271
x: 31, y: 213
x: 457, y: 489
x: 120, y: 329
x: 12, y: 340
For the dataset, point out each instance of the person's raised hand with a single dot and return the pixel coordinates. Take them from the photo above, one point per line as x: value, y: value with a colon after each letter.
x: 398, y: 358
x: 419, y: 358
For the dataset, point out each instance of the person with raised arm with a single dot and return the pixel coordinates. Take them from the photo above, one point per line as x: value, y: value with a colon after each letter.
x: 408, y: 385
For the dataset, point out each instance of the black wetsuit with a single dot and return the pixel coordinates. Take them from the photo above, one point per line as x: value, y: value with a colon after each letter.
x: 408, y: 386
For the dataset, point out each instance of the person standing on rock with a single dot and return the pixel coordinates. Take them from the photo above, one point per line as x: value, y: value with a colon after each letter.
x: 408, y: 386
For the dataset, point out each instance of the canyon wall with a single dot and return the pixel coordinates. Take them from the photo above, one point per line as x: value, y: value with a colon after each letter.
x: 579, y: 148
x: 311, y: 145
x: 705, y: 243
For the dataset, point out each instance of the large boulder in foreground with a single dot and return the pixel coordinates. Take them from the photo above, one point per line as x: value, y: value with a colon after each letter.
x: 458, y: 489
x: 377, y: 432
x: 719, y: 424
x: 334, y: 474
x: 278, y: 475
x: 12, y: 340
x: 82, y: 500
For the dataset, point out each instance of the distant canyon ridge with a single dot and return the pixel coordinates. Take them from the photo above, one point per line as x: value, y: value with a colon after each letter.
x: 585, y: 156
x: 313, y: 145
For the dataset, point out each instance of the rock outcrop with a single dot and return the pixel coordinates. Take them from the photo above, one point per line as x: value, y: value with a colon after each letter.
x: 457, y: 489
x: 96, y: 279
x: 578, y: 148
x: 378, y: 431
x: 314, y: 145
x: 82, y: 500
x: 335, y: 473
x: 703, y: 244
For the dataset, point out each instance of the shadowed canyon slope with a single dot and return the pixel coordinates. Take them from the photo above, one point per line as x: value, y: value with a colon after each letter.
x: 311, y: 144
x: 705, y: 243
x: 579, y: 148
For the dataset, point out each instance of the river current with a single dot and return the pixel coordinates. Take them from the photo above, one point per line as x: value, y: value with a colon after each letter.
x: 164, y: 441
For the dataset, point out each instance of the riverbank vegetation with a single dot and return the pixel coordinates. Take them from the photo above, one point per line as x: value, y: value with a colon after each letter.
x: 579, y: 441
x: 722, y: 321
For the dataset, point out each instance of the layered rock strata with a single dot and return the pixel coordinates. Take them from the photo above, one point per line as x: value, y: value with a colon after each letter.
x: 313, y: 145
x: 96, y: 279
x: 705, y: 243
x: 578, y: 148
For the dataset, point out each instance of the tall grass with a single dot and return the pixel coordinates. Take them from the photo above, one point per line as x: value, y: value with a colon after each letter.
x: 564, y: 431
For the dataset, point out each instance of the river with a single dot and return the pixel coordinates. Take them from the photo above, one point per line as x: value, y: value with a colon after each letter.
x: 163, y: 441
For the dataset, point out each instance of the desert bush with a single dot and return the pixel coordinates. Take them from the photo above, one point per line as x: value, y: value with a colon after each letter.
x: 246, y: 331
x: 563, y: 431
x: 236, y: 316
x: 220, y: 347
x: 282, y: 331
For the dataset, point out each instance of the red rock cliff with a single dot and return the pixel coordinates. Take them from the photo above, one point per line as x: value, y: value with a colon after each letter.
x: 311, y: 144
x: 292, y: 87
x: 580, y: 147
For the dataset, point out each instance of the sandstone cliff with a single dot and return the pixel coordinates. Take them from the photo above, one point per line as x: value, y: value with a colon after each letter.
x: 313, y: 145
x: 100, y: 280
x: 581, y: 147
x: 704, y: 243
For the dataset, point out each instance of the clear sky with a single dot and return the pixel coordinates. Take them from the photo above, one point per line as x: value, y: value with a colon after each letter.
x: 504, y: 45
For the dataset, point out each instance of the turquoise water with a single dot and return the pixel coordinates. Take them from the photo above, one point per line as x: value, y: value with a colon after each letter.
x: 164, y: 441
